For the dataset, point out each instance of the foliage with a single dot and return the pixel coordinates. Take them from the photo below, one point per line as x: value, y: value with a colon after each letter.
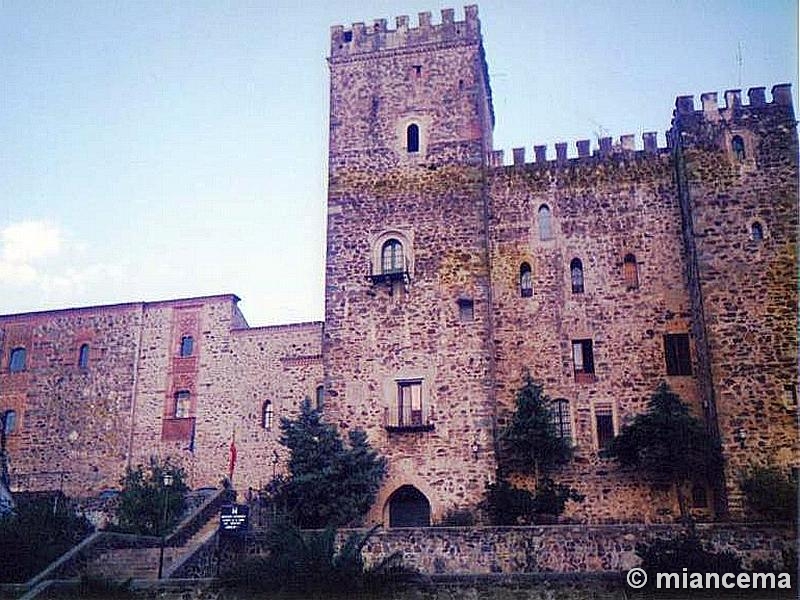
x: 329, y: 483
x: 530, y: 442
x: 102, y: 589
x: 770, y: 494
x: 686, y: 552
x: 510, y: 505
x: 41, y: 529
x: 458, y: 517
x: 142, y: 500
x: 309, y: 562
x: 668, y: 442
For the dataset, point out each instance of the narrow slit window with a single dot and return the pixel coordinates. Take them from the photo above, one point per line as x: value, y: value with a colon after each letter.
x: 83, y: 356
x: 545, y: 223
x: 576, y: 275
x: 412, y: 138
x: 737, y: 145
x: 757, y: 232
x: 320, y: 394
x: 630, y: 270
x: 267, y: 415
x: 525, y: 280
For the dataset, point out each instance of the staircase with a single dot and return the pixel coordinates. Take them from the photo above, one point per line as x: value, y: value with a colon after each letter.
x: 121, y: 564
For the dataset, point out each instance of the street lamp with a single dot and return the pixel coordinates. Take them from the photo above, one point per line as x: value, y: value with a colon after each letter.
x: 166, y: 480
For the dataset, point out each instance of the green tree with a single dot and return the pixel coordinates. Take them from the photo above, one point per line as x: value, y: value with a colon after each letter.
x: 667, y: 442
x: 329, y: 483
x: 531, y: 443
x: 769, y: 494
x: 141, y: 502
x: 41, y: 529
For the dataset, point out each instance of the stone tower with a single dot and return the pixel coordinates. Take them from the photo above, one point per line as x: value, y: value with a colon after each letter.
x: 407, y: 346
x: 737, y: 174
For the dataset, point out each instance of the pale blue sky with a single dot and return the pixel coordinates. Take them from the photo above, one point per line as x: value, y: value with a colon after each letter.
x: 156, y: 150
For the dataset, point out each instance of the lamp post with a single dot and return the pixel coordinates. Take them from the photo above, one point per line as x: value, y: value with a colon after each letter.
x: 166, y: 480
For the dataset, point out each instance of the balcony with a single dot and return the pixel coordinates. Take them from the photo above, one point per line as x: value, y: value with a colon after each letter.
x: 390, y: 273
x: 397, y: 420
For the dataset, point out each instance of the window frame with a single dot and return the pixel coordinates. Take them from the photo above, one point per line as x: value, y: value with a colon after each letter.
x: 397, y: 262
x: 182, y: 405
x: 630, y: 271
x: 83, y: 357
x: 576, y: 276
x: 677, y: 354
x: 16, y: 365
x: 586, y: 371
x: 186, y: 347
x: 413, y: 138
x: 267, y: 415
x: 561, y: 418
x: 605, y: 427
x: 525, y: 280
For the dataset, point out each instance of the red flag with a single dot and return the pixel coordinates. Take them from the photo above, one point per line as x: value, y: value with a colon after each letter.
x: 232, y: 463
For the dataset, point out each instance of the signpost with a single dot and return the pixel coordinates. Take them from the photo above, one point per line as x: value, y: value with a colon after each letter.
x: 234, y: 519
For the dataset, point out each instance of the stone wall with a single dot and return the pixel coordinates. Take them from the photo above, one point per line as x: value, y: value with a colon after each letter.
x: 548, y: 549
x: 78, y: 428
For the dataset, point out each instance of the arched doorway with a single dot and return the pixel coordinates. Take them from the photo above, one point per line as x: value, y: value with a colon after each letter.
x: 408, y: 507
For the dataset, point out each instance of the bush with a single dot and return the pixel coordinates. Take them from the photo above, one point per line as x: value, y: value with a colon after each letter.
x: 41, y: 530
x: 686, y: 551
x: 141, y: 501
x: 309, y: 563
x: 769, y: 494
x: 509, y: 505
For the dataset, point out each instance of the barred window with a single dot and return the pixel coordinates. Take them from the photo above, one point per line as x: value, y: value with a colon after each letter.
x: 559, y: 412
x: 630, y: 270
x: 267, y: 415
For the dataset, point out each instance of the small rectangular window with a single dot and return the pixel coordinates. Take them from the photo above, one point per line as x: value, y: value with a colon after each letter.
x: 187, y: 345
x: 583, y: 359
x: 676, y: 354
x: 604, y: 423
x: 466, y: 310
x: 790, y: 396
x: 183, y: 404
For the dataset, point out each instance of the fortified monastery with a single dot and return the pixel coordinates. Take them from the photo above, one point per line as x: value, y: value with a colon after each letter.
x: 602, y: 271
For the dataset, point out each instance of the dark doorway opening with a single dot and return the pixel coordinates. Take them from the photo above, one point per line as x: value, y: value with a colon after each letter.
x: 408, y: 507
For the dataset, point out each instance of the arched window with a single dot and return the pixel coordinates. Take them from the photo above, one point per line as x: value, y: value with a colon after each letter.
x: 576, y: 275
x: 545, y: 224
x: 83, y: 356
x: 183, y: 404
x: 630, y: 270
x: 187, y: 345
x: 266, y: 415
x: 559, y: 413
x: 9, y: 423
x: 392, y: 257
x: 412, y: 138
x: 320, y: 393
x: 525, y: 280
x: 757, y: 232
x: 737, y: 145
x: 16, y: 360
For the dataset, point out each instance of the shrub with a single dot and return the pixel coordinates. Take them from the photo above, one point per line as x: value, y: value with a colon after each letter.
x: 686, y: 551
x: 40, y: 531
x: 769, y: 494
x: 510, y: 505
x: 309, y: 563
x: 141, y: 501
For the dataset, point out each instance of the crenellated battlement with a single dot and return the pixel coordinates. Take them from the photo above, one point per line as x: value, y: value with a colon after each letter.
x: 626, y: 145
x: 362, y: 39
x: 711, y: 110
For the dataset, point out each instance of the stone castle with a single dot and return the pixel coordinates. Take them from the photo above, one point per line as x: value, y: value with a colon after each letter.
x: 451, y: 274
